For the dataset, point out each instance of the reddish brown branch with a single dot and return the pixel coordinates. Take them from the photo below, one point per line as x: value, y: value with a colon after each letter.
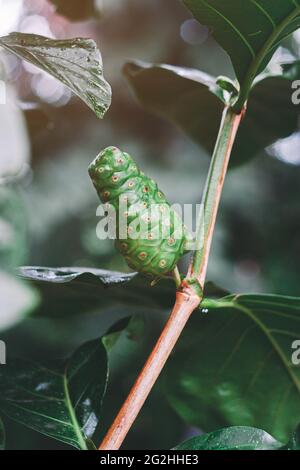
x: 186, y: 302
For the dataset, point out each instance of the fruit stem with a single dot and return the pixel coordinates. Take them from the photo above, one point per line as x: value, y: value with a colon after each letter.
x: 177, y: 277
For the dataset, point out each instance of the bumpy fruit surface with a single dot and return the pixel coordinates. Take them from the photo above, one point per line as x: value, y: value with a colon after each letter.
x: 155, y: 237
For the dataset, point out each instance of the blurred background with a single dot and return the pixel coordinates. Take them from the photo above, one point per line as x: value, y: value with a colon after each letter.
x: 48, y: 217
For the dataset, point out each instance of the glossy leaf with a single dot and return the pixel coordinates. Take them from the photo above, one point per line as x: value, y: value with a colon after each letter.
x: 2, y: 435
x: 239, y: 438
x: 82, y: 275
x: 233, y: 366
x: 64, y: 404
x: 81, y: 290
x: 77, y: 63
x: 189, y: 99
x: 78, y: 290
x: 249, y: 31
x: 77, y: 10
x: 232, y: 438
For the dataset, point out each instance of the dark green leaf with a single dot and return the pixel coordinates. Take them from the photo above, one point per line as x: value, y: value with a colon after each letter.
x: 214, y: 291
x: 233, y: 365
x: 78, y: 290
x: 65, y: 404
x: 232, y: 438
x: 188, y: 98
x: 126, y: 330
x: 181, y: 95
x: 2, y: 435
x: 294, y: 443
x: 90, y: 445
x: 249, y: 31
x: 271, y: 116
x: 77, y: 10
x: 77, y: 63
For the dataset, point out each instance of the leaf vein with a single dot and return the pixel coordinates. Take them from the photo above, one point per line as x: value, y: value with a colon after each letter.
x: 236, y: 348
x: 272, y: 340
x: 237, y: 31
x: 261, y: 8
x: 50, y: 418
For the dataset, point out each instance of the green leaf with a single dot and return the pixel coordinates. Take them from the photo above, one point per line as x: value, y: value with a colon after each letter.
x: 66, y: 404
x: 232, y: 438
x: 77, y: 63
x: 189, y: 99
x: 82, y: 275
x: 81, y: 290
x: 78, y: 290
x: 2, y: 435
x: 181, y: 95
x: 77, y: 10
x: 233, y: 366
x: 271, y: 116
x: 294, y: 443
x: 239, y: 438
x: 125, y: 331
x: 249, y: 31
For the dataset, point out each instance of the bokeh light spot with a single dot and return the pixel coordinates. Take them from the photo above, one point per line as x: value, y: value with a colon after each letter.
x: 194, y: 33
